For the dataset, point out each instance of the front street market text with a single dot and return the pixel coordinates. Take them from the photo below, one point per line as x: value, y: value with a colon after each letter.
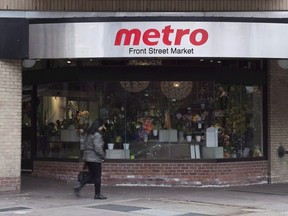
x: 165, y: 51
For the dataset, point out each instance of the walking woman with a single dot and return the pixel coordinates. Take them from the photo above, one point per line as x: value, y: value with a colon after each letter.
x: 93, y: 156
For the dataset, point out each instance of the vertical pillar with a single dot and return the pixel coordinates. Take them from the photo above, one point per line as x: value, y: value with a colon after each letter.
x: 10, y: 125
x: 277, y: 121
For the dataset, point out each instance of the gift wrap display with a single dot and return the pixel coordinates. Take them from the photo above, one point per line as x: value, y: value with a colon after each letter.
x: 212, y: 151
x: 212, y: 137
x: 195, y: 151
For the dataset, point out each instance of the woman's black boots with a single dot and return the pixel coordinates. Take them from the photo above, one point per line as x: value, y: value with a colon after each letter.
x: 99, y: 196
x: 77, y: 190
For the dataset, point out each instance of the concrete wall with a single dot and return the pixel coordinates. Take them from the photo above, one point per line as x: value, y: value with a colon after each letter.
x: 278, y: 121
x: 10, y: 125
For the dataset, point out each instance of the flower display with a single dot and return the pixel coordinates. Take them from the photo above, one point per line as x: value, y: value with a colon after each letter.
x: 147, y: 125
x: 154, y: 113
x: 186, y: 120
x: 82, y: 116
x: 141, y: 128
x: 225, y: 141
x: 82, y: 119
x: 78, y: 121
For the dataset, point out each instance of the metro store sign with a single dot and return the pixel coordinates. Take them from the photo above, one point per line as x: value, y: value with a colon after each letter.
x: 167, y: 36
x: 158, y: 39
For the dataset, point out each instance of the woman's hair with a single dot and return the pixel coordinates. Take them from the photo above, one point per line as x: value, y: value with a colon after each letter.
x: 95, y: 126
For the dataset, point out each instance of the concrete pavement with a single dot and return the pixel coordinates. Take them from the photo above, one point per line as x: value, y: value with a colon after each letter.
x: 47, y: 197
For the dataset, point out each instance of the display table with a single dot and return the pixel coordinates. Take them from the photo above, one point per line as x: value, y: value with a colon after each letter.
x: 117, y: 154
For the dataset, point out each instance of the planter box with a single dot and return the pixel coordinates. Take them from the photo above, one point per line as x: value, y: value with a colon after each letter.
x: 212, y: 152
x: 117, y: 154
x: 69, y: 135
x: 168, y: 135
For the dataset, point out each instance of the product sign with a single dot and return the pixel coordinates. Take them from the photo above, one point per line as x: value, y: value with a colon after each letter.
x: 158, y: 39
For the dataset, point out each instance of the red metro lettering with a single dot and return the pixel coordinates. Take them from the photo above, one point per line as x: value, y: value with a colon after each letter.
x: 151, y: 37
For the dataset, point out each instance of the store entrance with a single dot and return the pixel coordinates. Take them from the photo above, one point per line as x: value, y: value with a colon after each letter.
x: 27, y: 134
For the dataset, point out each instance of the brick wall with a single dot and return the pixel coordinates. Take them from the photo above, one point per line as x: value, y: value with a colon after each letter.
x: 278, y: 119
x: 168, y: 173
x: 10, y: 125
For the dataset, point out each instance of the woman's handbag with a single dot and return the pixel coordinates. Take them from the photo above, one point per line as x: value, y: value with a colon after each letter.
x: 84, y: 176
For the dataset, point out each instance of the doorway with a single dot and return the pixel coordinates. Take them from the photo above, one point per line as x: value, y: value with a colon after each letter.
x: 27, y: 132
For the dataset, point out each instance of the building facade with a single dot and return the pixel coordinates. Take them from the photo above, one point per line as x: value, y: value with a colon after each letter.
x: 48, y: 80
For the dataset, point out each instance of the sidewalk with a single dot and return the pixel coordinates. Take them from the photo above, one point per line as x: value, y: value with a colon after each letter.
x: 45, y: 197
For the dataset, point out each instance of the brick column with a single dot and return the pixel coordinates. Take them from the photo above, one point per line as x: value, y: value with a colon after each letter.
x: 277, y: 121
x: 10, y: 125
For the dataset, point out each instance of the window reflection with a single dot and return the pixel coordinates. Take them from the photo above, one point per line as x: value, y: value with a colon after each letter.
x: 158, y: 119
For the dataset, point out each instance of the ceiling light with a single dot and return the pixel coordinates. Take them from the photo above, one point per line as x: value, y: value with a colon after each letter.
x: 176, y: 84
x: 28, y: 63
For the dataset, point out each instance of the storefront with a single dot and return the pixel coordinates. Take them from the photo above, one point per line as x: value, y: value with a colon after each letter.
x: 156, y: 116
x: 156, y: 83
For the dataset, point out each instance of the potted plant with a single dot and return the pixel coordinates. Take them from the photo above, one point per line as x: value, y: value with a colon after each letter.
x: 49, y: 131
x: 156, y: 128
x: 68, y: 130
x: 188, y: 135
x: 198, y: 136
x: 52, y: 132
x: 109, y: 135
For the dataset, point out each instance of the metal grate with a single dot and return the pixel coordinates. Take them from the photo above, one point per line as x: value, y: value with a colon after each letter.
x: 121, y: 208
x: 145, y: 5
x: 142, y: 210
x: 13, y: 209
x: 193, y: 214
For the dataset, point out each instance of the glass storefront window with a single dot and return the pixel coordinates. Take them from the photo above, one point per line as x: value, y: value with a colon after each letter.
x: 160, y: 120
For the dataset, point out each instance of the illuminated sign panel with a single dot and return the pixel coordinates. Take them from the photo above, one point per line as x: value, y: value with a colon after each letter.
x: 158, y: 39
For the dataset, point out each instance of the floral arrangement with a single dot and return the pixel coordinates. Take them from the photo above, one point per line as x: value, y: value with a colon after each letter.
x: 186, y: 120
x: 141, y: 128
x: 226, y: 142
x: 154, y: 113
x: 147, y: 125
x: 49, y: 130
x: 77, y: 121
x: 82, y: 120
x: 82, y: 116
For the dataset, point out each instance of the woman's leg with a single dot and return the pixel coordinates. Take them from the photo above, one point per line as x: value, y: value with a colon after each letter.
x: 81, y: 184
x: 96, y: 171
